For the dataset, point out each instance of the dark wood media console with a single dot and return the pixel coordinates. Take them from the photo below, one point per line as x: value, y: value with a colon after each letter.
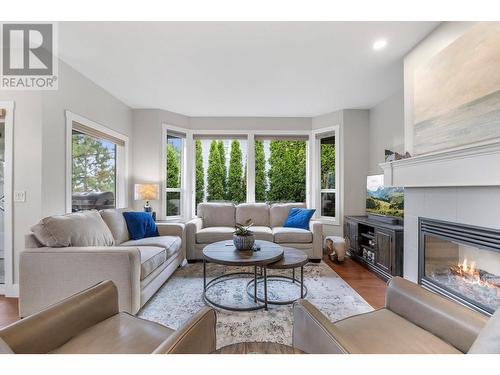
x: 376, y: 242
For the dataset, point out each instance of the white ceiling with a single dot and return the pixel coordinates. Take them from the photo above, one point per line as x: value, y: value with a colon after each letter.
x: 242, y: 68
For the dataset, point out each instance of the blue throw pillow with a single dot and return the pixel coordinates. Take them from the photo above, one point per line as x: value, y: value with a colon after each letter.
x: 140, y: 225
x: 299, y: 218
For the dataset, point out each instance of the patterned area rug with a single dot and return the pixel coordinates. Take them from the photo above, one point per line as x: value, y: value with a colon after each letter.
x: 181, y: 297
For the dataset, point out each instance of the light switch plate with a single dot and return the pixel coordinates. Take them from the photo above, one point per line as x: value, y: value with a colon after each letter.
x: 20, y: 196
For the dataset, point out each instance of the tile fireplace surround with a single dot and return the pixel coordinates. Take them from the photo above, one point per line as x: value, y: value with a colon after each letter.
x: 458, y: 186
x: 477, y: 206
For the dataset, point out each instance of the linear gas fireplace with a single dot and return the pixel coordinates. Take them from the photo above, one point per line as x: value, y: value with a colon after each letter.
x: 461, y: 262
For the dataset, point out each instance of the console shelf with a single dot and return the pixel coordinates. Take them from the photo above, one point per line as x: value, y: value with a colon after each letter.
x: 376, y: 244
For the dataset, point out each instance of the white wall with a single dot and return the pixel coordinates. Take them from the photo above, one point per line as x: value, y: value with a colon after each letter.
x: 27, y: 168
x: 386, y: 130
x: 40, y: 145
x: 355, y: 160
x: 77, y: 94
x: 147, y: 147
x: 251, y: 123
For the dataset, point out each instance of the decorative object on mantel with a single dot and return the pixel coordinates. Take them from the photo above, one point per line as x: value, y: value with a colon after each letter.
x: 2, y: 113
x: 243, y: 237
x: 392, y: 155
x: 147, y: 192
x: 457, y: 92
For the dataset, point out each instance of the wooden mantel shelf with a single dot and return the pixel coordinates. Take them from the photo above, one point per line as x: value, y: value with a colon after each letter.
x: 474, y: 165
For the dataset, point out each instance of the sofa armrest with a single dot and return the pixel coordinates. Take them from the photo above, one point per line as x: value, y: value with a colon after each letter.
x: 448, y: 320
x: 192, y: 227
x: 174, y: 229
x: 171, y: 229
x: 48, y: 275
x: 49, y: 329
x: 197, y: 336
x: 316, y: 228
x: 313, y: 333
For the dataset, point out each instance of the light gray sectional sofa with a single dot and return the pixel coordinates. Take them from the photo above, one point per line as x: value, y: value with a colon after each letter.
x: 215, y: 222
x: 66, y: 254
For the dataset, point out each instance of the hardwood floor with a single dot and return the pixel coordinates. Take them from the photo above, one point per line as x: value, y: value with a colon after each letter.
x: 8, y: 311
x: 366, y: 283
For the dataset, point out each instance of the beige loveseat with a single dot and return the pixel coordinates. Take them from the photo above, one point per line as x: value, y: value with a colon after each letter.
x: 68, y: 253
x: 215, y: 222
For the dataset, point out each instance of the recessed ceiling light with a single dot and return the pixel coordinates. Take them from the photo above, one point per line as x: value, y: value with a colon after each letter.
x: 379, y: 44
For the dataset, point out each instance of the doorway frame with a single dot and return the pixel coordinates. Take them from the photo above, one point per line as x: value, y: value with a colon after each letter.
x: 9, y: 289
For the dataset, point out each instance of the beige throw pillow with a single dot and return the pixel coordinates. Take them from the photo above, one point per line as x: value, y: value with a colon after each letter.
x: 84, y: 228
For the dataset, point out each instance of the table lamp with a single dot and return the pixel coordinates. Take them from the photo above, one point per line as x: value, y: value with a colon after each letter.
x: 146, y: 192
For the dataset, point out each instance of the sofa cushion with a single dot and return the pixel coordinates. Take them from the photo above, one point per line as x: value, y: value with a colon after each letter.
x: 116, y: 223
x: 85, y: 228
x: 262, y: 233
x: 257, y: 212
x: 152, y: 257
x: 120, y: 334
x: 488, y: 341
x: 369, y: 333
x: 171, y: 244
x: 217, y: 214
x: 292, y: 235
x: 214, y: 234
x: 279, y: 212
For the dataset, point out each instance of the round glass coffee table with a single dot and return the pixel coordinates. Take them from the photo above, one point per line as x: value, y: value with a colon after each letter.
x: 224, y: 253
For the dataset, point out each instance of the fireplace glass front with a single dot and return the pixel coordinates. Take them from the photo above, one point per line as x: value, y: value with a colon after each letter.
x: 462, y: 270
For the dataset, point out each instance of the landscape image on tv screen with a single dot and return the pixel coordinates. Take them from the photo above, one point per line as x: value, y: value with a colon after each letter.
x: 383, y: 200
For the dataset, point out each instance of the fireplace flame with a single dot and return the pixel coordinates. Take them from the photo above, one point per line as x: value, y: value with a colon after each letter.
x: 469, y: 272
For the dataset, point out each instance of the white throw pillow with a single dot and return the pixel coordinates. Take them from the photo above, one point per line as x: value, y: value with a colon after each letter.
x: 85, y: 228
x: 488, y: 341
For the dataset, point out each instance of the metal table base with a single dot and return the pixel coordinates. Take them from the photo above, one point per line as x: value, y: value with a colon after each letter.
x: 222, y: 278
x: 267, y: 279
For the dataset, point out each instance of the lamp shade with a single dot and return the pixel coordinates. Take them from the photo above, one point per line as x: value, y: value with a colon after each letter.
x: 146, y: 192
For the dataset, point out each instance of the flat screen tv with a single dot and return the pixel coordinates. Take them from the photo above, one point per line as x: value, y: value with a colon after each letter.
x: 382, y: 200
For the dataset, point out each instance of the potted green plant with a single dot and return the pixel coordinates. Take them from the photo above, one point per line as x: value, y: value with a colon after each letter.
x: 243, y: 237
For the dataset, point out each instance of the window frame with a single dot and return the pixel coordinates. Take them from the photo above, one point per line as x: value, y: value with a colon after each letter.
x: 184, y: 136
x: 316, y: 137
x: 121, y: 166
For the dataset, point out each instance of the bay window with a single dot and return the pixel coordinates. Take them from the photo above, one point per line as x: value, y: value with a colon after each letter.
x: 206, y: 166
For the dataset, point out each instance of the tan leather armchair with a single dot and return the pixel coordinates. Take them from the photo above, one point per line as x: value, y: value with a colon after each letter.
x: 89, y: 323
x: 413, y: 321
